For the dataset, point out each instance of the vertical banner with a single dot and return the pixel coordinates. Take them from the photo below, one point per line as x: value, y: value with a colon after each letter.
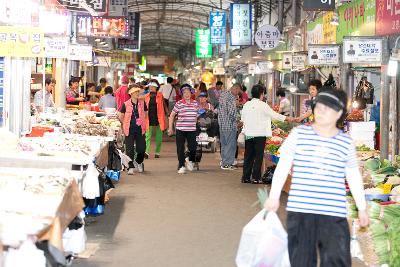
x: 387, y: 17
x: 241, y: 28
x: 203, y: 46
x: 133, y: 40
x: 218, y: 27
x: 1, y: 92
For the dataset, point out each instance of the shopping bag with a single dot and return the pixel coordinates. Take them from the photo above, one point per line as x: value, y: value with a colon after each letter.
x: 263, y: 243
x: 241, y: 139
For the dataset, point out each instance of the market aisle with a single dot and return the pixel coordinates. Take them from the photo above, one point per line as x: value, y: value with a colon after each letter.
x: 162, y: 219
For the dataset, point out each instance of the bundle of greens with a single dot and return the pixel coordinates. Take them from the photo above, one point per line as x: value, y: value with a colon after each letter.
x: 385, y: 229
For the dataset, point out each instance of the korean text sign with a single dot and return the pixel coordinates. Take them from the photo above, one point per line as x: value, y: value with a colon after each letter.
x: 21, y: 41
x: 323, y: 5
x: 241, y: 19
x: 267, y: 37
x: 133, y: 40
x: 356, y: 19
x: 112, y: 27
x: 325, y: 55
x: 387, y: 17
x: 86, y: 5
x: 56, y: 47
x: 362, y: 51
x: 203, y: 46
x: 218, y: 27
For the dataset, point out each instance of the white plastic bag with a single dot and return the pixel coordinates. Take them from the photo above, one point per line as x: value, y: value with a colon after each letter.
x: 263, y: 243
x: 241, y: 139
x: 26, y: 255
x: 90, y: 184
x: 74, y: 241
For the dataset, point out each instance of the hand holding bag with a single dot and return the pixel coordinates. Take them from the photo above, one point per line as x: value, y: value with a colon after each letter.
x: 241, y: 139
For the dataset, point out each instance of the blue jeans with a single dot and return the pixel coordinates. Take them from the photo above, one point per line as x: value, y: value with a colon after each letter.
x: 228, y: 141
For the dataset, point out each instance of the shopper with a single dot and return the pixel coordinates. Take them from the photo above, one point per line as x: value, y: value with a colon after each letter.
x: 92, y: 96
x: 121, y: 95
x: 133, y: 117
x: 156, y: 119
x: 132, y: 80
x: 100, y: 89
x: 256, y: 117
x: 243, y: 96
x: 321, y: 157
x: 203, y: 102
x: 72, y: 94
x: 284, y: 103
x: 108, y: 100
x: 214, y: 94
x: 227, y: 119
x: 314, y: 88
x: 186, y: 112
x: 168, y: 93
x: 49, y: 84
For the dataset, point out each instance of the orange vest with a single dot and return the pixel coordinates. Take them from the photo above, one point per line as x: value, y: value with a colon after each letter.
x: 128, y: 116
x: 160, y: 110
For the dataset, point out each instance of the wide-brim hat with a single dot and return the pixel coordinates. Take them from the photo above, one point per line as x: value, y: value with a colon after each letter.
x: 133, y: 90
x: 152, y: 84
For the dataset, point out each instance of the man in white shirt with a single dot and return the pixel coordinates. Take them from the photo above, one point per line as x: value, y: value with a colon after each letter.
x: 256, y: 118
x: 38, y: 99
x: 169, y: 93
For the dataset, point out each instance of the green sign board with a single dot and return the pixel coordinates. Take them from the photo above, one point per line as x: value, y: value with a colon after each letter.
x: 203, y: 45
x: 356, y: 19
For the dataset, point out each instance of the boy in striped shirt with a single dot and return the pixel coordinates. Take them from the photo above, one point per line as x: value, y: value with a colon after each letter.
x: 321, y: 157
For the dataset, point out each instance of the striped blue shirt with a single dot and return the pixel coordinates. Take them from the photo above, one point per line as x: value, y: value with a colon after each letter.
x: 318, y: 175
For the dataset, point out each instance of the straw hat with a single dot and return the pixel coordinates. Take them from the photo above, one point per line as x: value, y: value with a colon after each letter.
x: 133, y: 89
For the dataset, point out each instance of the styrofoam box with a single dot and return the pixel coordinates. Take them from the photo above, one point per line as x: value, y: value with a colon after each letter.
x: 368, y: 126
x: 370, y: 144
x: 362, y: 135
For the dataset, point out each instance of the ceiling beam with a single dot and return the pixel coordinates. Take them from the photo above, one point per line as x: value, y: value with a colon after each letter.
x: 131, y: 7
x: 176, y: 11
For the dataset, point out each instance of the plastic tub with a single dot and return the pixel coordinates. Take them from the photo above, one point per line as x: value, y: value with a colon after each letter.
x: 382, y: 197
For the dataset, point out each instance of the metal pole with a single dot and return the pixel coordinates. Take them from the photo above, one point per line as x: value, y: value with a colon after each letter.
x: 294, y: 12
x: 385, y: 105
x: 280, y: 15
x: 44, y: 85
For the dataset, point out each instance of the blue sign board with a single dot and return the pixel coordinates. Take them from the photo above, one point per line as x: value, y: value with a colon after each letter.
x: 218, y: 27
x: 241, y: 24
x: 1, y: 91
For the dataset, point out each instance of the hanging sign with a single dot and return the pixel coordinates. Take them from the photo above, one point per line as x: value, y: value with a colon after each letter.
x: 299, y: 62
x: 240, y: 22
x: 252, y: 69
x: 133, y: 40
x: 80, y: 52
x: 387, y: 17
x: 100, y: 62
x: 287, y: 61
x: 262, y: 67
x: 56, y: 47
x: 366, y: 51
x: 118, y: 8
x: 356, y: 18
x: 21, y: 41
x: 218, y: 71
x: 122, y: 56
x: 95, y: 7
x: 20, y: 12
x: 106, y: 27
x: 1, y: 91
x: 203, y: 46
x: 218, y: 27
x: 325, y: 55
x: 321, y: 5
x: 267, y: 37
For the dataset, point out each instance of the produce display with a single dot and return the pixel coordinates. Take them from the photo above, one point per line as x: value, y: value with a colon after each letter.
x: 355, y: 115
x: 89, y: 124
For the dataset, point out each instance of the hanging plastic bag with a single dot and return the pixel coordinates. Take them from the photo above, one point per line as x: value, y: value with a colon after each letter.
x: 74, y: 241
x: 90, y: 184
x: 263, y: 243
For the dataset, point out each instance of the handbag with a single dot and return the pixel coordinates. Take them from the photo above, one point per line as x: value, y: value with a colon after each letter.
x: 241, y: 139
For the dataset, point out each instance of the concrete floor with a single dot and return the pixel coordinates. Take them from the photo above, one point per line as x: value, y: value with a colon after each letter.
x: 163, y: 219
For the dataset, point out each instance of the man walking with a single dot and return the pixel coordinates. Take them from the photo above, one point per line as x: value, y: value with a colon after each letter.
x: 215, y: 93
x: 169, y: 94
x: 227, y: 119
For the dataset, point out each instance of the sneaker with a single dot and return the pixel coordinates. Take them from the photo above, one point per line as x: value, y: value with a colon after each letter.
x: 157, y: 156
x: 228, y: 168
x: 140, y: 168
x: 130, y: 171
x: 182, y: 170
x: 189, y: 166
x: 235, y: 163
x: 146, y: 155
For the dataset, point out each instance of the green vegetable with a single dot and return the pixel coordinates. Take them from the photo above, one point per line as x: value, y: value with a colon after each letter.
x: 363, y: 148
x: 389, y: 170
x: 372, y: 164
x: 385, y: 163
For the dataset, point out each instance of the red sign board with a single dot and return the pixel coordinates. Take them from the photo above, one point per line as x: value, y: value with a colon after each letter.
x: 387, y: 17
x: 111, y: 27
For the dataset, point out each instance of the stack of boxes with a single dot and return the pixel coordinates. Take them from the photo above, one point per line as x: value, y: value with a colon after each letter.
x: 363, y: 133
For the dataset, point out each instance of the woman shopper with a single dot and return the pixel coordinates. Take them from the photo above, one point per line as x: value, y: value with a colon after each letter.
x: 322, y: 157
x: 133, y: 115
x: 186, y: 112
x: 156, y: 119
x: 256, y: 118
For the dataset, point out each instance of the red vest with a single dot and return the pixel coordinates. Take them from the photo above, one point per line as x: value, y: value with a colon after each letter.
x: 128, y: 116
x: 160, y: 110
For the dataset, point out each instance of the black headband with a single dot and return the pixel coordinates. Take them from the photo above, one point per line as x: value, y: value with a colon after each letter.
x: 329, y: 100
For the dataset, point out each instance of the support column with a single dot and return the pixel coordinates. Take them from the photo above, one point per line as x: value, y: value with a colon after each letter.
x: 385, y: 105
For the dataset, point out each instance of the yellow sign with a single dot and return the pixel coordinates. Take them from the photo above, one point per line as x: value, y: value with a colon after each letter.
x: 122, y: 56
x: 21, y: 41
x: 329, y: 30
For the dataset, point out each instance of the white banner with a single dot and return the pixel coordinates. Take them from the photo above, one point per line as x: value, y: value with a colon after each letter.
x: 262, y: 67
x: 267, y: 37
x: 323, y: 55
x: 241, y: 32
x: 299, y: 62
x: 366, y: 51
x: 80, y: 52
x: 56, y: 47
